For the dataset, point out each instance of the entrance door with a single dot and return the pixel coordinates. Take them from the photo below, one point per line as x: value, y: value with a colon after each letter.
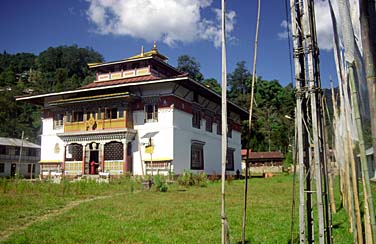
x: 94, y: 162
x: 13, y: 170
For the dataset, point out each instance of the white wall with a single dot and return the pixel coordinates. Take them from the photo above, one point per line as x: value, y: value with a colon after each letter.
x: 49, y: 140
x: 184, y: 133
x: 163, y: 141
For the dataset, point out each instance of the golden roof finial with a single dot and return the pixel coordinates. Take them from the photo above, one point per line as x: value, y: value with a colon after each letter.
x: 142, y: 51
x: 155, y: 45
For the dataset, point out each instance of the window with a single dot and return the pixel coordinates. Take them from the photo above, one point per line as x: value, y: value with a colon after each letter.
x: 196, y: 119
x: 230, y: 159
x: 32, y: 152
x: 78, y: 116
x: 229, y: 130
x: 219, y: 127
x: 2, y: 168
x: 111, y: 113
x: 29, y: 166
x: 58, y: 120
x: 209, y: 124
x: 151, y: 112
x: 3, y: 149
x: 197, y: 155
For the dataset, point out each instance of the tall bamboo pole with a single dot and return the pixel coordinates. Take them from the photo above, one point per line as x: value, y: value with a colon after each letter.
x: 367, y: 21
x: 363, y: 159
x: 297, y: 34
x: 224, y: 125
x: 250, y: 119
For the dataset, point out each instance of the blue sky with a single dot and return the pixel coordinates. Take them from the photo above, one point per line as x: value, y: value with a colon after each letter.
x: 118, y: 30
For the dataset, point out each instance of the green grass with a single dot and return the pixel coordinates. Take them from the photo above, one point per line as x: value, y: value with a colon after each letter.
x: 129, y: 215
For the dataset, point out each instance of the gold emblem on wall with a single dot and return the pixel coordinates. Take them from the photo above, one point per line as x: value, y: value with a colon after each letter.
x: 57, y: 148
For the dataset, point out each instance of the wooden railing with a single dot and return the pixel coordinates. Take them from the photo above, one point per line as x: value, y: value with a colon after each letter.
x: 101, y: 124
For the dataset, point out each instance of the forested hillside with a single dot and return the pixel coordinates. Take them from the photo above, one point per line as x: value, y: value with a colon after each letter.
x: 55, y: 69
x: 65, y: 67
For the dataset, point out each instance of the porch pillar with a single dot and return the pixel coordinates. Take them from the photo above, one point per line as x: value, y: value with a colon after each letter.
x: 125, y: 158
x: 64, y: 157
x: 83, y: 157
x: 101, y: 160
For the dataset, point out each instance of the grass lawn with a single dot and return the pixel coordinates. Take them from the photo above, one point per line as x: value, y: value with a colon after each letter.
x: 69, y: 213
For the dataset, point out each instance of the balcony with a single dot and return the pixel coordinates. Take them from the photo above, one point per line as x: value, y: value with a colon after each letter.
x: 100, y: 124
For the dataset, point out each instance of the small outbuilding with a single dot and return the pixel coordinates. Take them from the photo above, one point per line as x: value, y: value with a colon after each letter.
x: 19, y: 157
x: 263, y: 162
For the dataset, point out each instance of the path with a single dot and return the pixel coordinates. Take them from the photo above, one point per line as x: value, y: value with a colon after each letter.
x: 4, y: 235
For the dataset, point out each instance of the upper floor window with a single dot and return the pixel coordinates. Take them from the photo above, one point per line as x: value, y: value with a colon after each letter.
x: 3, y: 149
x: 58, y: 120
x: 77, y: 116
x: 2, y: 168
x: 229, y: 130
x: 151, y: 112
x: 196, y: 119
x: 111, y: 113
x: 209, y: 124
x: 219, y: 127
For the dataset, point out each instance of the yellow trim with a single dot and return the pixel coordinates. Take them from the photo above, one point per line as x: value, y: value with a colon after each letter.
x: 45, y: 161
x: 97, y: 96
x: 158, y: 159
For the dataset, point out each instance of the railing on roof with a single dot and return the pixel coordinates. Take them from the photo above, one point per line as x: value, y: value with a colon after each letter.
x: 123, y: 74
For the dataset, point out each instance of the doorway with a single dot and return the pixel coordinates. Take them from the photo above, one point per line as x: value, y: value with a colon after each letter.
x: 94, y: 162
x: 13, y: 170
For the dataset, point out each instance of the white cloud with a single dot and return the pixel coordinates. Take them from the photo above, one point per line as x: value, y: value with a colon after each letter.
x: 171, y: 21
x: 324, y: 27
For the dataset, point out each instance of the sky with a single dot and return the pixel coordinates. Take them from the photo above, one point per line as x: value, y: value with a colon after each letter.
x: 118, y: 28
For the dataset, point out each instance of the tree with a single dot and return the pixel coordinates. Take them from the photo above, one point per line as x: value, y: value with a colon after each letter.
x: 213, y: 84
x: 190, y: 65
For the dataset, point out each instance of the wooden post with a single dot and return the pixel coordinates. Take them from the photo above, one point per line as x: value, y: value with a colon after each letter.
x: 250, y: 121
x: 225, y: 234
x: 299, y: 76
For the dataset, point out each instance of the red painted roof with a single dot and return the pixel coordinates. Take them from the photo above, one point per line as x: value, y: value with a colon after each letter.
x: 262, y: 155
x: 121, y: 81
x: 129, y: 80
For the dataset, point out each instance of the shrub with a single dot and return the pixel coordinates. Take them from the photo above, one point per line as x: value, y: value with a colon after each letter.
x: 201, y: 179
x: 186, y: 179
x: 160, y: 183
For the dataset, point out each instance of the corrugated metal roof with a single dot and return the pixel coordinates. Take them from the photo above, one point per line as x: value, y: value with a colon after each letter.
x: 17, y: 142
x: 262, y: 155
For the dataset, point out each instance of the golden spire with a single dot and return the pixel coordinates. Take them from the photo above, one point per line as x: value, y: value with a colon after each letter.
x: 155, y: 45
x: 142, y: 51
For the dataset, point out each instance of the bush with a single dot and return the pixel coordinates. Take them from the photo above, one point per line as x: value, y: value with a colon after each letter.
x: 160, y: 183
x: 201, y: 179
x: 186, y: 179
x: 190, y: 179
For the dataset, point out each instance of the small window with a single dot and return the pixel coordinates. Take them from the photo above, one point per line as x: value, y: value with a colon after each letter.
x: 78, y: 116
x: 3, y: 149
x: 196, y: 119
x: 230, y: 159
x: 219, y: 127
x: 111, y: 113
x: 2, y: 168
x: 209, y: 124
x: 29, y: 167
x: 58, y: 120
x: 32, y: 152
x: 197, y: 155
x: 229, y: 131
x: 151, y: 112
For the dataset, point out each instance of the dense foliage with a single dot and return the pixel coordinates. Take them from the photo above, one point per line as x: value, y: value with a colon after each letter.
x: 55, y: 69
